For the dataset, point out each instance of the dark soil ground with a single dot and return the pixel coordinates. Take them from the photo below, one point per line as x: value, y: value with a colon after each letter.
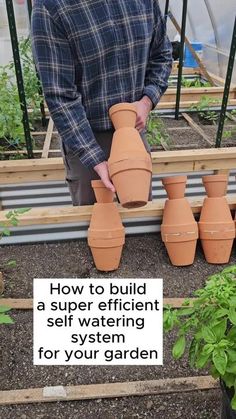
x: 143, y: 256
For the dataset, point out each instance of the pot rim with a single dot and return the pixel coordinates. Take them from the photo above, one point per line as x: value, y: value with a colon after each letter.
x: 214, y: 178
x: 125, y: 106
x: 174, y: 179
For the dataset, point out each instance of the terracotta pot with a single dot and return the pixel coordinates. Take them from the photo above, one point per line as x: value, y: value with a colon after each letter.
x: 215, y: 185
x: 179, y: 232
x: 217, y: 230
x: 102, y: 194
x: 123, y: 115
x: 175, y: 186
x: 130, y: 168
x: 106, y: 236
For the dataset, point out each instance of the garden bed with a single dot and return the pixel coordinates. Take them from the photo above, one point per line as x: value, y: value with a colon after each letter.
x: 72, y: 259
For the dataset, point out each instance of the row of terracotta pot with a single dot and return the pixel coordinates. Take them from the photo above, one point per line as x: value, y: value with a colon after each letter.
x: 180, y: 231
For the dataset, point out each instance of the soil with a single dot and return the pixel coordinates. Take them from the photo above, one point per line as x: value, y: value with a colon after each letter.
x: 144, y: 256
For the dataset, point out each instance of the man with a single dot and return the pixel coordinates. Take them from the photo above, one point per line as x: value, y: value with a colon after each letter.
x: 91, y: 55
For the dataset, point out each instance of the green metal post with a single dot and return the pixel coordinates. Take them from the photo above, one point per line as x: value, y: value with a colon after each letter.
x: 167, y: 8
x: 42, y: 108
x: 227, y: 88
x: 181, y: 57
x: 29, y: 5
x: 19, y: 76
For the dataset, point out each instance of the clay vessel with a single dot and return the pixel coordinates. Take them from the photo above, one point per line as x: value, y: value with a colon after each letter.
x: 215, y: 185
x: 106, y: 234
x: 102, y: 194
x: 179, y: 230
x: 175, y: 186
x: 216, y: 226
x: 123, y: 115
x: 130, y: 165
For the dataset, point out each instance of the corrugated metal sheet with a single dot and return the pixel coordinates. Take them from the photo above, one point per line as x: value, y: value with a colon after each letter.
x: 56, y: 194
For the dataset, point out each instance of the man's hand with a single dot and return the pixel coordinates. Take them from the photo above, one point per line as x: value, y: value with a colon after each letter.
x: 102, y: 170
x: 143, y: 106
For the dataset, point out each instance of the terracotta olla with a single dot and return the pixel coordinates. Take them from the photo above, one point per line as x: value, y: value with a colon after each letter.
x: 179, y: 230
x: 106, y: 234
x: 130, y: 165
x: 215, y: 185
x: 216, y: 226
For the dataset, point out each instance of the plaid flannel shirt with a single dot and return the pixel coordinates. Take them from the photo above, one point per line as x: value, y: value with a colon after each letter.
x: 92, y: 54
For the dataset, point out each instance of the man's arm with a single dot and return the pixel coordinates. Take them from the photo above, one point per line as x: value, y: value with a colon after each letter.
x: 160, y: 60
x: 56, y: 67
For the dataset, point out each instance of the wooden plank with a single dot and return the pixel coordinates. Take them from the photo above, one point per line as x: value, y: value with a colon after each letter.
x: 48, y: 139
x: 27, y: 303
x: 37, y: 133
x: 187, y: 104
x: 108, y: 390
x: 187, y: 71
x: 201, y: 65
x: 218, y: 80
x: 69, y: 214
x: 36, y: 170
x: 197, y: 128
x: 25, y: 177
x: 230, y: 116
x: 30, y: 165
x: 39, y: 151
x: 195, y: 94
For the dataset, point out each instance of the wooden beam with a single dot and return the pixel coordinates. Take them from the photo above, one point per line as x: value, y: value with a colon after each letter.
x: 36, y: 170
x: 197, y: 128
x: 187, y: 104
x: 37, y: 133
x: 27, y: 303
x: 48, y: 139
x: 200, y: 64
x: 70, y: 214
x: 24, y: 151
x: 196, y: 93
x: 108, y: 390
x: 187, y: 71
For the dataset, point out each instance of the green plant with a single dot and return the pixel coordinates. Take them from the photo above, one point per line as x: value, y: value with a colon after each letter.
x: 11, y: 128
x: 204, y: 110
x: 229, y: 133
x: 5, y: 318
x: 207, y: 329
x: 156, y: 131
x: 12, y: 219
x: 197, y: 82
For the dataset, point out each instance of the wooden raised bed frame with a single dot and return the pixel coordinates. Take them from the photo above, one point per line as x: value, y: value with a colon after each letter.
x: 164, y: 162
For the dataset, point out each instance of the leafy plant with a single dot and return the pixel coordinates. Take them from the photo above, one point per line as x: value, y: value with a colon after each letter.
x: 5, y: 318
x: 229, y: 133
x: 11, y: 128
x: 12, y: 219
x: 197, y: 82
x: 207, y: 329
x: 204, y: 110
x: 156, y: 131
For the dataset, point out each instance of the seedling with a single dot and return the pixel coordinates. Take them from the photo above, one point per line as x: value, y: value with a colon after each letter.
x: 204, y: 110
x: 156, y: 132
